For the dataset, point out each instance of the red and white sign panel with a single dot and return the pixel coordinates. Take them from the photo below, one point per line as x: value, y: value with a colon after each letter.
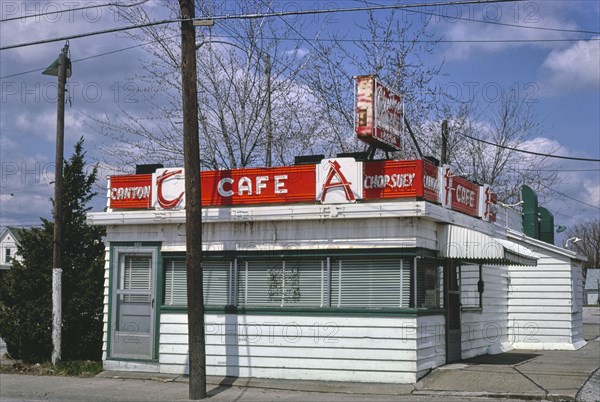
x: 431, y: 182
x: 168, y: 189
x: 488, y: 203
x: 339, y: 181
x: 333, y: 181
x: 445, y: 193
x: 465, y: 196
x: 258, y: 186
x: 393, y: 179
x: 130, y: 191
x: 379, y: 114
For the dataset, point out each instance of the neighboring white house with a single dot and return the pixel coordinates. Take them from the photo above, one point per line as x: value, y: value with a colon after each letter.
x: 592, y: 286
x: 9, y: 240
x: 342, y: 270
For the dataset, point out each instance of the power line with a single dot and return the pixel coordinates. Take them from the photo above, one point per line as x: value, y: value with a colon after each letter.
x: 22, y: 17
x: 87, y: 34
x: 306, y: 40
x: 568, y: 170
x: 573, y: 158
x: 505, y: 23
x: 255, y: 16
x: 75, y: 61
x: 568, y: 196
x: 451, y: 18
x: 317, y: 39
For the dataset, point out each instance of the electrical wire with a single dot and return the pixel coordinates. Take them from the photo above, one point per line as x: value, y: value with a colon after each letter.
x: 87, y: 34
x: 452, y: 18
x: 573, y: 158
x: 253, y: 16
x: 74, y: 9
x: 568, y: 196
x: 89, y: 57
x: 308, y: 41
x: 317, y: 39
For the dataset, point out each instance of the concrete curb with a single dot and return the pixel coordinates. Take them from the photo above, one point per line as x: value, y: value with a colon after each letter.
x: 275, y: 384
x: 495, y: 395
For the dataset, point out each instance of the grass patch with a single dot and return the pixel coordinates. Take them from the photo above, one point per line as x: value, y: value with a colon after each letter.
x: 76, y: 368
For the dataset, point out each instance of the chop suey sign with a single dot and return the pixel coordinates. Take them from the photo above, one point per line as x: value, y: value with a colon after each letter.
x: 333, y: 181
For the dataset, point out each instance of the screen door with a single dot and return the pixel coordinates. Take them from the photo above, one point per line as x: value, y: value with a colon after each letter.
x: 133, y: 307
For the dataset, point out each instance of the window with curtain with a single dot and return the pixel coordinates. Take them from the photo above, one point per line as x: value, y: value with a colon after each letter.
x: 281, y: 283
x: 216, y: 282
x: 371, y: 283
x: 136, y: 274
x: 430, y: 280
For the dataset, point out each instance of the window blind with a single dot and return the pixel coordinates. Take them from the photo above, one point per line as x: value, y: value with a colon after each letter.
x: 371, y: 283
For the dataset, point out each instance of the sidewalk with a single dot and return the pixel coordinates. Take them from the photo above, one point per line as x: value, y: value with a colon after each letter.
x: 523, y: 375
x: 526, y: 374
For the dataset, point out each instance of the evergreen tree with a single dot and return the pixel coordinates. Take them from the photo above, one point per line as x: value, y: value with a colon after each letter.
x: 26, y: 290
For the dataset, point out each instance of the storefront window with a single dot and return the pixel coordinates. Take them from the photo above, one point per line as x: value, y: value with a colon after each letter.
x: 430, y: 279
x: 371, y: 283
x: 280, y: 283
x: 216, y: 280
x: 345, y: 283
x: 471, y: 285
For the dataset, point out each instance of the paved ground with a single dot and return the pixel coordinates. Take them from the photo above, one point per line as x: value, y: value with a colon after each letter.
x: 517, y: 375
x: 31, y: 388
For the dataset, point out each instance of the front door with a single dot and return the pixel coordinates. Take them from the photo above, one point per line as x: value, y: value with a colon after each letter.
x: 452, y: 298
x: 132, y: 334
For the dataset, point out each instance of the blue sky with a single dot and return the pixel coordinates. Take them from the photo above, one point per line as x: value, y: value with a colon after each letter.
x: 562, y: 78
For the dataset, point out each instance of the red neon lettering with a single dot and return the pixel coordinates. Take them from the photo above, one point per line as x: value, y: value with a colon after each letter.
x: 336, y: 172
x: 162, y: 201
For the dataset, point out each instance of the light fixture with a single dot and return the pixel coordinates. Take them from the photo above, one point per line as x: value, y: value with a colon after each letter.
x: 510, y: 205
x: 560, y: 228
x: 573, y: 240
x: 52, y: 69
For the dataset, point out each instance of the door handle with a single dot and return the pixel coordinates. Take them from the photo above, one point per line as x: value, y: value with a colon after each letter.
x: 153, y: 302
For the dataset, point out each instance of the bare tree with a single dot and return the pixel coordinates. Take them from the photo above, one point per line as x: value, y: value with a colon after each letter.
x: 391, y: 49
x: 508, y: 123
x: 232, y: 72
x: 312, y: 99
x: 589, y: 245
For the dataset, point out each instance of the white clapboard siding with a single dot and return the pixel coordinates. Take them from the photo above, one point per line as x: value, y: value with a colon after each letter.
x: 105, y: 301
x: 544, y: 303
x: 486, y: 331
x: 328, y: 348
x: 431, y: 343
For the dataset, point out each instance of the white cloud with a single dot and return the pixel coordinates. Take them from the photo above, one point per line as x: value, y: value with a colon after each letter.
x: 542, y: 145
x: 575, y: 67
x: 501, y: 25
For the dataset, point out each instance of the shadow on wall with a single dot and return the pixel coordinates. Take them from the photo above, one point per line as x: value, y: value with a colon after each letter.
x: 228, y: 337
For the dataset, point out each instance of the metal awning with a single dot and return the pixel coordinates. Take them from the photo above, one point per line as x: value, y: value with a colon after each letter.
x: 465, y: 244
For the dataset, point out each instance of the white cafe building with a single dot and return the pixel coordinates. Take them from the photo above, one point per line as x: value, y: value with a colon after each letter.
x: 373, y: 271
x: 335, y: 269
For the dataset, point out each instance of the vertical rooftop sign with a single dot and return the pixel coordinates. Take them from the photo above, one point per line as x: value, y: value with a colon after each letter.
x: 379, y: 114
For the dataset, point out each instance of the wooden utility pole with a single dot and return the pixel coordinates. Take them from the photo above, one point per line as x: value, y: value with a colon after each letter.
x: 444, y: 157
x: 193, y: 208
x: 58, y: 69
x: 268, y: 158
